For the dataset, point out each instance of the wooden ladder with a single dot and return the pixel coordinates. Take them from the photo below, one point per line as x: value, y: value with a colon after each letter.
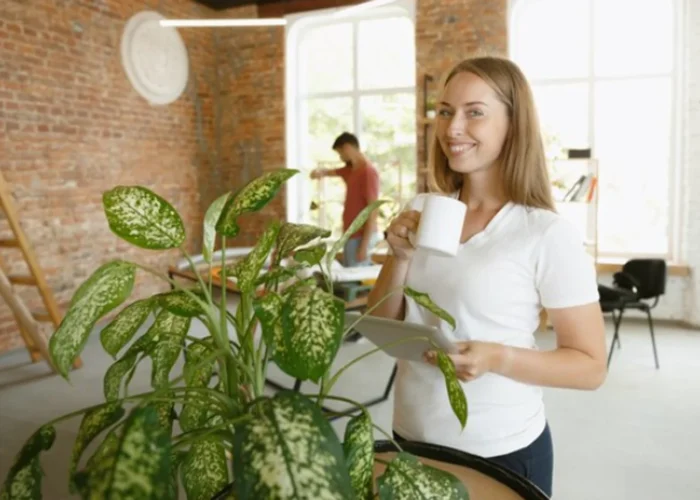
x: 27, y: 321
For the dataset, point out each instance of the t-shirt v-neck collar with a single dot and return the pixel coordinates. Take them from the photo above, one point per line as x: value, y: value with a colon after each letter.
x: 491, y: 227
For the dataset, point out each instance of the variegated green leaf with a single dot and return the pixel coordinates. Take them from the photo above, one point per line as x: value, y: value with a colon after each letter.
x: 210, y: 219
x: 312, y: 324
x: 93, y: 423
x: 182, y: 303
x: 292, y: 236
x: 311, y: 255
x: 170, y: 330
x: 26, y: 484
x: 277, y: 275
x: 268, y: 309
x: 251, y: 198
x: 196, y: 410
x: 198, y: 374
x: 108, y: 448
x: 141, y: 217
x: 123, y: 327
x: 204, y: 471
x: 308, y: 283
x: 136, y: 466
x: 288, y: 451
x: 112, y: 382
x: 166, y: 413
x: 115, y: 373
x: 424, y: 300
x: 407, y: 478
x: 354, y: 227
x: 358, y: 446
x: 176, y: 459
x: 195, y: 413
x: 24, y: 478
x: 105, y: 290
x: 455, y: 391
x: 248, y: 269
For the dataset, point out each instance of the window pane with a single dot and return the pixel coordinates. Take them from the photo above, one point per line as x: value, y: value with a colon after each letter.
x: 563, y: 114
x: 551, y: 38
x: 644, y: 46
x: 325, y: 59
x: 389, y: 140
x: 632, y: 142
x: 322, y: 121
x: 386, y: 53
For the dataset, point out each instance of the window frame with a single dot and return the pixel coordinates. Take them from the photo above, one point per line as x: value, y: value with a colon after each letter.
x: 675, y: 193
x: 297, y: 26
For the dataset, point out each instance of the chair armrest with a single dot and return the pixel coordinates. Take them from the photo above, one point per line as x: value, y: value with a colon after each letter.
x: 626, y: 281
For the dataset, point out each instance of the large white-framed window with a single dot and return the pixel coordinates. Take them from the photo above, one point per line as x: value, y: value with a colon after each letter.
x: 353, y: 73
x: 606, y: 76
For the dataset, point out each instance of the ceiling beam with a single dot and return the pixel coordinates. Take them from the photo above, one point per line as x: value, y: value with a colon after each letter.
x: 281, y: 8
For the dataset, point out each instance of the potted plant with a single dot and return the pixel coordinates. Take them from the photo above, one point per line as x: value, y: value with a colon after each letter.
x: 211, y: 429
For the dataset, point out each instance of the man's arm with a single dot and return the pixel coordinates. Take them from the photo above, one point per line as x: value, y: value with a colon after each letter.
x: 370, y: 228
x: 327, y: 172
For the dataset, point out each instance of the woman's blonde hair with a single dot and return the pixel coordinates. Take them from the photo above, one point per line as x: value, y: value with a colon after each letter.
x: 523, y: 166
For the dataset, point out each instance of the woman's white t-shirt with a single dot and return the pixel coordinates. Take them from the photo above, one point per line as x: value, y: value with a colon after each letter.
x: 495, y: 287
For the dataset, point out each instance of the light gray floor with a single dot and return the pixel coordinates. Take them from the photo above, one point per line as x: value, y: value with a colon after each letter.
x: 636, y: 438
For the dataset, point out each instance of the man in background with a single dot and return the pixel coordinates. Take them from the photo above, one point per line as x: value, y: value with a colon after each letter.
x: 362, y: 188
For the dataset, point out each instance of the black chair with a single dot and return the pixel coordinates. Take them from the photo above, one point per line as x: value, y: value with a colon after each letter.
x: 640, y: 281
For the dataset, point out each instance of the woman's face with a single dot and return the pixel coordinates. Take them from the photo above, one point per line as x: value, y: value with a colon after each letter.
x: 472, y: 124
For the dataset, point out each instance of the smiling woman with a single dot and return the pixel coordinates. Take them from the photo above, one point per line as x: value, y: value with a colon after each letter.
x: 516, y: 258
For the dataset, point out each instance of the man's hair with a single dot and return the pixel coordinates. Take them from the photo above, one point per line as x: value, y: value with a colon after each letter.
x: 346, y: 138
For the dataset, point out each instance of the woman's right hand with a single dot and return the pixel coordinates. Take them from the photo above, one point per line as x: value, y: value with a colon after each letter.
x: 398, y: 231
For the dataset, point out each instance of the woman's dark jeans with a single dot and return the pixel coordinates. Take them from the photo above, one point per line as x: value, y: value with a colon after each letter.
x: 534, y: 462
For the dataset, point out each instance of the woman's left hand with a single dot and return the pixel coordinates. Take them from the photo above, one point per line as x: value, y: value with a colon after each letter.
x: 473, y: 360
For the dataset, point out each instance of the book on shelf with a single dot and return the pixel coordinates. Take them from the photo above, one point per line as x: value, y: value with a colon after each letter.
x: 582, y: 190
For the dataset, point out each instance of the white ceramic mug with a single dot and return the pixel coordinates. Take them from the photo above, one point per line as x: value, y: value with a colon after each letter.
x: 441, y: 222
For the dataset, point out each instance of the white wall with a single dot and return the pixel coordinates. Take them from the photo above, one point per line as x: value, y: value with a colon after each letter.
x: 691, y: 231
x: 682, y: 299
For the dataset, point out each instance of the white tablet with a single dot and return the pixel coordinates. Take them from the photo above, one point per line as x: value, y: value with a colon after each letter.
x: 383, y: 331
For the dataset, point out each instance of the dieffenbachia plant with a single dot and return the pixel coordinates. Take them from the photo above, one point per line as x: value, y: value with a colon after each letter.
x: 211, y: 429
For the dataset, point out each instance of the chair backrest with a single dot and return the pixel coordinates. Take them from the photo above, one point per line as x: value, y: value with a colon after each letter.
x: 651, y: 275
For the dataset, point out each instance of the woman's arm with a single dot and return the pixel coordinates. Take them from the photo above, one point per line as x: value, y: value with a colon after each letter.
x: 390, y: 279
x: 578, y: 362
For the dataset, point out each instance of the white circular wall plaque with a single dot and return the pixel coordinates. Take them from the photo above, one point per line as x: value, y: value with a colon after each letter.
x: 154, y: 58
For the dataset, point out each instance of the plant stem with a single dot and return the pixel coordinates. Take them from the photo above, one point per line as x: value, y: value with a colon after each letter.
x: 173, y: 283
x: 231, y: 373
x: 388, y: 436
x: 335, y: 377
x: 135, y: 397
x: 205, y: 307
x: 187, y: 437
x: 194, y: 270
x: 369, y: 310
x: 209, y: 359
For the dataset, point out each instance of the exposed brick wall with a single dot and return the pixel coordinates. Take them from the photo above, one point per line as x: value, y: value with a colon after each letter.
x: 448, y: 31
x: 71, y: 127
x: 251, y: 68
x: 692, y: 161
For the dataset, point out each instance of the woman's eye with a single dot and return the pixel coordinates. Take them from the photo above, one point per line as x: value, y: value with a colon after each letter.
x: 444, y: 112
x: 474, y: 113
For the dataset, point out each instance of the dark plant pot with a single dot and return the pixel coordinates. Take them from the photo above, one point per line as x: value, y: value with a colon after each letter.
x: 484, y: 480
